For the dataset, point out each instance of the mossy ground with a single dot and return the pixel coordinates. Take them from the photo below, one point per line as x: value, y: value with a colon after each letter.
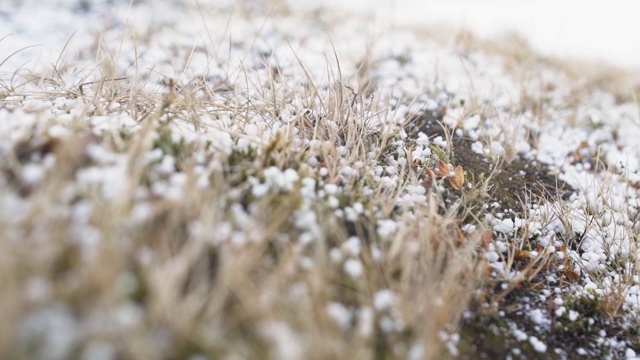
x: 488, y: 330
x: 513, y: 182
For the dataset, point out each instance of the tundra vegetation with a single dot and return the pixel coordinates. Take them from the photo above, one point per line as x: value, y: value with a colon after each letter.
x: 253, y: 180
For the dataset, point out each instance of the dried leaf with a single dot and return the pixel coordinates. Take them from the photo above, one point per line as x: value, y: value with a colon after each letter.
x: 415, y: 163
x: 443, y: 169
x: 567, y: 261
x: 452, y: 183
x: 486, y: 238
x: 431, y: 178
x: 459, y: 177
x: 443, y: 166
x: 461, y: 237
x: 571, y: 275
x: 633, y: 184
x: 522, y: 255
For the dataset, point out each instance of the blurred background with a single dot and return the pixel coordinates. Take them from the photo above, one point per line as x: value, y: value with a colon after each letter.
x: 592, y: 30
x: 583, y: 30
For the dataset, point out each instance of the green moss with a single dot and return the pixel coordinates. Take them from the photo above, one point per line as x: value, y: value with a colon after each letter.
x: 590, y: 320
x: 240, y: 157
x: 510, y: 185
x: 166, y: 143
x: 490, y: 336
x: 441, y: 154
x: 403, y: 59
x: 487, y: 336
x: 240, y: 165
x: 139, y: 295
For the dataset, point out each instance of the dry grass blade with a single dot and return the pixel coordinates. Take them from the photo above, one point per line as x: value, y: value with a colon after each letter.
x: 17, y: 52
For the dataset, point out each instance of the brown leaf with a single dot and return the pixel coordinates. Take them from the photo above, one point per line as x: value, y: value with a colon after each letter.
x: 522, y: 255
x: 461, y: 237
x: 431, y: 178
x: 486, y: 238
x: 571, y: 275
x: 452, y: 183
x: 443, y: 169
x: 459, y: 178
x: 634, y: 185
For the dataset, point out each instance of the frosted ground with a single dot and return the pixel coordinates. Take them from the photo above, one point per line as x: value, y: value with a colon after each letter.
x: 242, y: 180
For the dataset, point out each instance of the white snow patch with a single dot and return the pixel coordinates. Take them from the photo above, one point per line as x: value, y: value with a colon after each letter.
x: 538, y: 345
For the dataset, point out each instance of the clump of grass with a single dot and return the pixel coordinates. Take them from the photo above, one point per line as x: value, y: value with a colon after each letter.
x: 232, y: 246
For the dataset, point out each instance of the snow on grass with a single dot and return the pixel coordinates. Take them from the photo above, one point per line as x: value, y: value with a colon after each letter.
x: 236, y: 179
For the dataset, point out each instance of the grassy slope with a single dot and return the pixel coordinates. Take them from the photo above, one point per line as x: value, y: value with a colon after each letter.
x: 263, y: 210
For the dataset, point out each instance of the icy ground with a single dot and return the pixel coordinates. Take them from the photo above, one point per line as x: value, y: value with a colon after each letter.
x: 101, y: 110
